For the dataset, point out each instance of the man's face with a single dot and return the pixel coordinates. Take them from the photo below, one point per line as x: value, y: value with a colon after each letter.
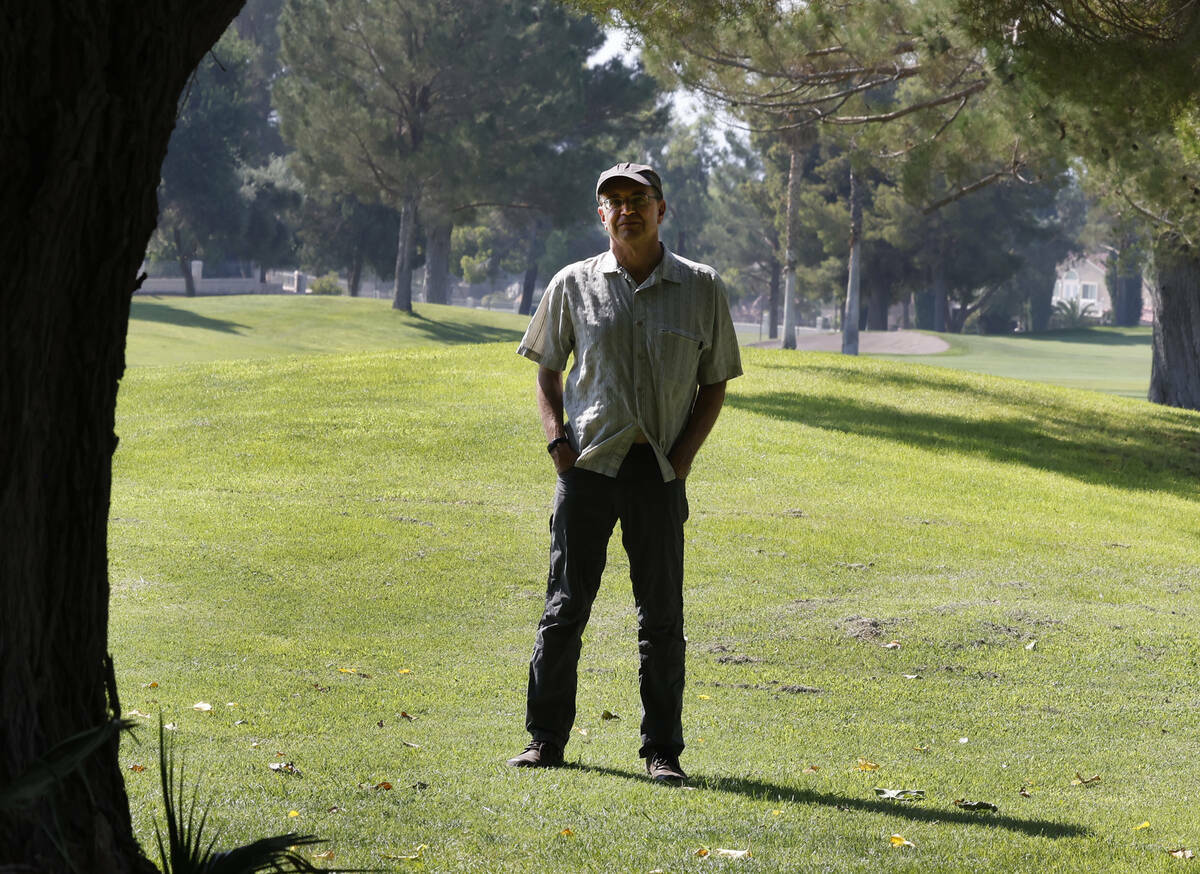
x: 629, y: 224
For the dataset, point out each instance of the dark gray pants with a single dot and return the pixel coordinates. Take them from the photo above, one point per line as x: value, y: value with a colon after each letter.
x: 587, y: 506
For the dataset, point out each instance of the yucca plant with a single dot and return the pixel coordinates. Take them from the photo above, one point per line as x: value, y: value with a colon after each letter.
x: 184, y: 850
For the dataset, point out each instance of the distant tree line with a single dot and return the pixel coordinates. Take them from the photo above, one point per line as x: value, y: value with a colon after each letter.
x: 361, y: 137
x: 878, y: 155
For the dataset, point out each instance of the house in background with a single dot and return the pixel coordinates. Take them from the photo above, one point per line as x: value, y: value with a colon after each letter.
x: 1083, y: 280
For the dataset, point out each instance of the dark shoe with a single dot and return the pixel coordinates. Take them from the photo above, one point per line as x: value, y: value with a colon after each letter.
x: 664, y: 768
x: 539, y: 754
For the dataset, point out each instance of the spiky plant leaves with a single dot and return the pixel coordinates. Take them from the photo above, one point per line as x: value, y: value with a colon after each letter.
x: 59, y: 761
x: 184, y: 850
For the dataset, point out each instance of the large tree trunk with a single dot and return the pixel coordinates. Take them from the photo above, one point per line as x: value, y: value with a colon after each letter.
x: 1124, y: 279
x: 791, y: 253
x: 850, y: 321
x: 437, y: 262
x: 773, y: 300
x: 354, y: 284
x: 535, y: 248
x: 402, y: 290
x: 185, y: 265
x: 1175, y: 365
x: 88, y: 96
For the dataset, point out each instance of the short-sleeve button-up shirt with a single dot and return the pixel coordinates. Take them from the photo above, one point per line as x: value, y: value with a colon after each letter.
x: 640, y: 352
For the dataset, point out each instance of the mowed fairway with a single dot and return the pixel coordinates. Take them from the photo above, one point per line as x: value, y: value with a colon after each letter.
x: 344, y: 555
x: 1113, y: 360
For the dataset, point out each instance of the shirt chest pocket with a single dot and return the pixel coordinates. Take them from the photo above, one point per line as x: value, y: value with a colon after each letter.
x: 677, y: 353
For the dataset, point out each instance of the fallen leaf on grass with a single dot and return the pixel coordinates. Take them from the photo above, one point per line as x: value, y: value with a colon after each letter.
x: 406, y: 716
x: 240, y: 722
x: 414, y: 856
x: 731, y: 854
x: 171, y: 726
x: 866, y: 765
x: 924, y: 748
x: 608, y: 714
x: 704, y: 697
x: 347, y: 671
x: 811, y: 769
x: 702, y: 852
x: 1032, y: 645
x: 1024, y: 793
x: 567, y: 833
x: 912, y: 676
x: 334, y: 809
x: 284, y: 768
x: 138, y: 713
x: 1138, y: 828
x: 137, y: 768
x: 901, y: 794
x: 901, y: 841
x: 581, y: 731
x: 1081, y: 780
x: 202, y: 706
x: 892, y: 644
x: 404, y: 671
x: 1181, y: 853
x: 293, y: 813
x: 320, y: 688
x: 409, y: 743
x: 326, y: 856
x: 384, y: 785
x: 149, y: 685
x: 975, y: 805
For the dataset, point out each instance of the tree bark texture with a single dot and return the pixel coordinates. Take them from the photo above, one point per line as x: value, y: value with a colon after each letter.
x: 402, y: 290
x: 1175, y: 362
x: 88, y: 95
x: 850, y: 322
x: 437, y: 262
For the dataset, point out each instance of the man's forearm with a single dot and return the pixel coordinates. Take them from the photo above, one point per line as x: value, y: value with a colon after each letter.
x: 706, y: 409
x: 550, y: 402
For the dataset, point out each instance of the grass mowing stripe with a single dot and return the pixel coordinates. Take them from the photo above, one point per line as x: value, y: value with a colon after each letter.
x: 277, y: 521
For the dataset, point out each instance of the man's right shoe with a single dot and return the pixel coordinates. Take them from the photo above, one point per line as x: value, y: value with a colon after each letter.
x: 664, y: 768
x: 539, y: 754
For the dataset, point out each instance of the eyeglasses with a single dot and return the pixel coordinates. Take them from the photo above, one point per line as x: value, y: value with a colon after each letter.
x: 636, y: 202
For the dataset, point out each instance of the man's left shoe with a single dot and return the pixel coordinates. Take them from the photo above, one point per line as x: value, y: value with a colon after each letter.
x: 664, y: 768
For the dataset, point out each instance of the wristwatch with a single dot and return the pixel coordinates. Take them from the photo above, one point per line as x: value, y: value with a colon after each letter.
x: 555, y: 442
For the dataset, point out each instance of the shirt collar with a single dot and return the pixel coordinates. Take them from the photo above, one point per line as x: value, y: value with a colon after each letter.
x: 668, y: 268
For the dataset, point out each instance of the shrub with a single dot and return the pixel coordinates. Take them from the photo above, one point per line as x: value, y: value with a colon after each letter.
x: 327, y: 284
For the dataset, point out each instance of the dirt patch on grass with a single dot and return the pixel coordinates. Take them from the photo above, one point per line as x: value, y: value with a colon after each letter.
x: 867, y: 628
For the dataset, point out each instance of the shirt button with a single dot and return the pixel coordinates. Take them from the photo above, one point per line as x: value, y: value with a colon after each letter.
x: 638, y: 323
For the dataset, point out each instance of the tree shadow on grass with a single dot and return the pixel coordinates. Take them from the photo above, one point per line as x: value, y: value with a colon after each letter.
x: 147, y: 311
x: 915, y: 812
x: 1159, y: 452
x: 454, y: 332
x: 1093, y: 337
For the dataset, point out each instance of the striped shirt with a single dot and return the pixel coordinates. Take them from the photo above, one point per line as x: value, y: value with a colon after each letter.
x: 640, y: 352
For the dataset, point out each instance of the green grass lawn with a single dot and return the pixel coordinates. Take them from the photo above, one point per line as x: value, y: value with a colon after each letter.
x: 345, y: 555
x: 177, y: 330
x: 1113, y: 360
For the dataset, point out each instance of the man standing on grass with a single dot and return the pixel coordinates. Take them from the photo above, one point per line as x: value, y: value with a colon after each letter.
x: 654, y: 346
